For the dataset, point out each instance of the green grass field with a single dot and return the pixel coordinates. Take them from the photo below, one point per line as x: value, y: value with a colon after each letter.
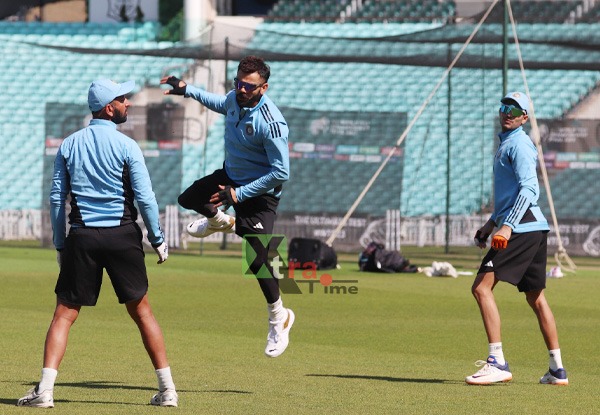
x: 403, y: 344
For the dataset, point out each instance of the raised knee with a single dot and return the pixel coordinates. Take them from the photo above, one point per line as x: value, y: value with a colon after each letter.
x: 182, y: 201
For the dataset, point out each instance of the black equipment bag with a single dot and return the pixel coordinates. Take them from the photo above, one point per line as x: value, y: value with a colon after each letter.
x: 311, y: 253
x: 376, y: 259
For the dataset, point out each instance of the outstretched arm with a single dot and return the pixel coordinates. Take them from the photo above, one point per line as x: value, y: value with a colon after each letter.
x: 178, y: 85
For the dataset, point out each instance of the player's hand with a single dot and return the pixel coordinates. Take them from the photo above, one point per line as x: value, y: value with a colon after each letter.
x: 178, y: 85
x: 482, y: 235
x: 499, y: 242
x: 481, y: 238
x: 500, y: 239
x: 225, y: 197
x: 162, y: 251
x: 58, y: 258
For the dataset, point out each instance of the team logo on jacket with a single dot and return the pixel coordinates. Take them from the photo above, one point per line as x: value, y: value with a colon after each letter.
x: 249, y: 129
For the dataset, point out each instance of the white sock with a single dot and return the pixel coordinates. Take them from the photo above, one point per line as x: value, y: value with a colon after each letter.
x: 555, y: 359
x: 276, y: 310
x: 48, y: 379
x: 165, y: 380
x: 495, y: 350
x: 220, y: 217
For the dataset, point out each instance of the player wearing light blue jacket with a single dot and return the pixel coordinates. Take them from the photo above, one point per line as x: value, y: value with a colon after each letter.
x: 257, y: 155
x: 519, y: 246
x: 104, y: 172
x: 255, y: 169
x: 516, y: 186
x: 105, y: 198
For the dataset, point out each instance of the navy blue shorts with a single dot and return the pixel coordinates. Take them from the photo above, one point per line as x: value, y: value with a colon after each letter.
x: 88, y: 251
x: 522, y: 263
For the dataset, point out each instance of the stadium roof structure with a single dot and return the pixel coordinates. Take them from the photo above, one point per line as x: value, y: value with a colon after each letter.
x: 553, y: 46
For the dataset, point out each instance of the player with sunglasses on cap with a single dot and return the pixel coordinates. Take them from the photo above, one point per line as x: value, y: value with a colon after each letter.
x: 255, y: 168
x: 518, y: 248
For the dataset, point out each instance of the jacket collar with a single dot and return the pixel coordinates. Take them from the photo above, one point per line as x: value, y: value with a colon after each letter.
x: 100, y: 121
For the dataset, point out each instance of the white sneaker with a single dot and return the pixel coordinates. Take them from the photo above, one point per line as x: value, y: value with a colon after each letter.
x: 555, y: 377
x: 37, y: 400
x: 279, y: 335
x: 165, y: 398
x: 202, y: 227
x: 491, y: 372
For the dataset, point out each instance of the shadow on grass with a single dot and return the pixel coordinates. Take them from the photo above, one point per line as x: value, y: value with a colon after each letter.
x: 111, y: 385
x: 120, y: 385
x: 103, y: 385
x: 13, y: 402
x: 386, y: 378
x: 96, y: 385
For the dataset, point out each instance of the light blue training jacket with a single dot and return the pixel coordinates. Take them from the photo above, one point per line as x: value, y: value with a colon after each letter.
x: 104, y: 171
x: 256, y: 142
x: 516, y: 186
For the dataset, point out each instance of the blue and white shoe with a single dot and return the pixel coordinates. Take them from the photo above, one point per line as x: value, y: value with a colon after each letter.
x: 43, y: 399
x: 555, y: 377
x: 490, y: 372
x: 165, y: 398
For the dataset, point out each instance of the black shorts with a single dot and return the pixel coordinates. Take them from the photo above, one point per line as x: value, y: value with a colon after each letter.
x: 253, y: 216
x: 256, y: 215
x: 90, y: 250
x: 522, y: 263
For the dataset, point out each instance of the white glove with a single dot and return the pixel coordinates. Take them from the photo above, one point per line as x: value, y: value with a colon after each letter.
x: 58, y: 258
x: 162, y: 251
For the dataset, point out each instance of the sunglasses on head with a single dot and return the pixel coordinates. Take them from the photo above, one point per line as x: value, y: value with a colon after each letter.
x: 511, y: 110
x: 237, y: 84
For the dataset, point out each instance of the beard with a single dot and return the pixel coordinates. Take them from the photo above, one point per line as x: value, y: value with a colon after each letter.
x: 247, y: 102
x: 119, y: 118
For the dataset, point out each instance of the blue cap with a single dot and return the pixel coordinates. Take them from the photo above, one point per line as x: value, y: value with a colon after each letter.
x: 520, y: 98
x: 103, y: 91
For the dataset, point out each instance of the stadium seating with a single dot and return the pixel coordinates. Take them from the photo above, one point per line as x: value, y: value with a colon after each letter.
x: 326, y: 10
x: 345, y: 30
x: 541, y: 45
x: 93, y: 35
x: 33, y: 75
x: 592, y: 16
x: 537, y: 11
x: 202, y: 158
x: 366, y: 87
x: 405, y: 11
x: 368, y: 11
x: 571, y: 195
x: 417, y: 183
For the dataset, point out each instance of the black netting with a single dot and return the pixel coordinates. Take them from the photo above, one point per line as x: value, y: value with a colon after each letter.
x: 559, y: 46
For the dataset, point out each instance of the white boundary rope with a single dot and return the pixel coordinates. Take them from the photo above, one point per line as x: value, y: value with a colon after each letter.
x: 362, y: 194
x: 561, y: 253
